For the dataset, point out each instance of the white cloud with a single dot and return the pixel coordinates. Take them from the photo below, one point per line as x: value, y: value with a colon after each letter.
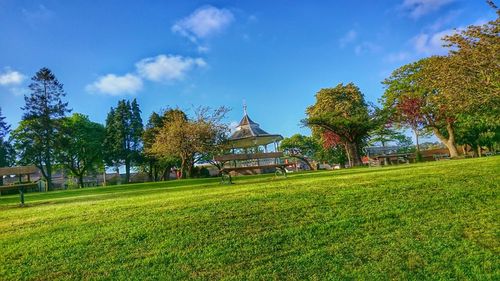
x: 11, y: 77
x: 349, y: 37
x: 203, y: 49
x: 431, y: 43
x: 419, y: 8
x: 443, y: 21
x: 167, y: 67
x: 367, y: 47
x: 40, y: 14
x: 18, y: 91
x: 116, y: 85
x: 203, y: 23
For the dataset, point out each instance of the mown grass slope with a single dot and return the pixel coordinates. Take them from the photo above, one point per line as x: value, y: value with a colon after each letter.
x: 427, y: 221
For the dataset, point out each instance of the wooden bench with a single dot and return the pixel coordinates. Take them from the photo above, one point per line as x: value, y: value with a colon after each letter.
x: 397, y: 158
x: 438, y: 157
x: 225, y: 172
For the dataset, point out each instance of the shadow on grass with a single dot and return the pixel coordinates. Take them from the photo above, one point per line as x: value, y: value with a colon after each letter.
x: 117, y: 192
x: 110, y: 192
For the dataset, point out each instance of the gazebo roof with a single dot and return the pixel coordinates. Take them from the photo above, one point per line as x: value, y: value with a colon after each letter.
x: 249, y: 134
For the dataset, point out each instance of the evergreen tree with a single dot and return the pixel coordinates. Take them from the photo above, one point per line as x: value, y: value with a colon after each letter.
x: 37, y: 135
x: 123, y: 141
x: 6, y: 150
x: 4, y: 127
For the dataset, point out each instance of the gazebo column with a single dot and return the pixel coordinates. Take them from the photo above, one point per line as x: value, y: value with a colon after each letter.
x: 275, y: 150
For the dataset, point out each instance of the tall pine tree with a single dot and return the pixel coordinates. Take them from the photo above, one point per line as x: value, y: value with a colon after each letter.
x: 37, y: 134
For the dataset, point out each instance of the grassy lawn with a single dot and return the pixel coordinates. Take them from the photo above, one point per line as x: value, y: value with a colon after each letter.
x: 436, y: 220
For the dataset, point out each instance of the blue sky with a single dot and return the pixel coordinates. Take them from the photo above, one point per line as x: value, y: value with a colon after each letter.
x: 275, y: 55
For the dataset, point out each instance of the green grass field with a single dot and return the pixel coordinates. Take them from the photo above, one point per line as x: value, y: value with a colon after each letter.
x: 435, y: 220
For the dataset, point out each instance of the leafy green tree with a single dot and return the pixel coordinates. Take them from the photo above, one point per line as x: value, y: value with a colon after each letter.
x: 80, y: 144
x: 477, y: 131
x: 123, y: 141
x: 385, y: 134
x: 301, y: 147
x: 158, y: 166
x: 471, y: 74
x: 414, y: 102
x: 343, y: 111
x: 35, y: 138
x: 450, y: 88
x: 191, y: 140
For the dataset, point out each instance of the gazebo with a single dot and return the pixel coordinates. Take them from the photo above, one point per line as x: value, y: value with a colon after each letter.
x: 248, y: 134
x: 20, y: 186
x: 250, y: 153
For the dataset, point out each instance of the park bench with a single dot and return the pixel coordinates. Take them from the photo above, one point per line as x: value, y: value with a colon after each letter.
x: 378, y: 156
x: 254, y: 162
x: 90, y: 183
x: 439, y: 157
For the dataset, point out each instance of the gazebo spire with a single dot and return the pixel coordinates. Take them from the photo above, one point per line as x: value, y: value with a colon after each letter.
x: 244, y: 107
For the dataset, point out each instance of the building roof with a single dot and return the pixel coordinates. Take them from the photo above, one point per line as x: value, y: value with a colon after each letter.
x: 249, y: 134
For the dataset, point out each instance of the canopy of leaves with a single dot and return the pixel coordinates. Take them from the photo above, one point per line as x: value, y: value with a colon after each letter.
x: 300, y: 145
x: 342, y: 110
x: 191, y: 140
x: 156, y: 165
x: 80, y: 145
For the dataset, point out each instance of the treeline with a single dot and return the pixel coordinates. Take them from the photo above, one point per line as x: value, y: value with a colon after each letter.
x: 455, y: 97
x: 48, y: 138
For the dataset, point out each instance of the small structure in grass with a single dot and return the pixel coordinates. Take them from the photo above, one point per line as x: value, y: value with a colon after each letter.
x: 385, y: 155
x: 21, y: 185
x: 249, y: 151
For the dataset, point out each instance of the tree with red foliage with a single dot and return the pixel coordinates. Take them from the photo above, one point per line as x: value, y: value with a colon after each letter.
x: 343, y: 114
x: 409, y: 113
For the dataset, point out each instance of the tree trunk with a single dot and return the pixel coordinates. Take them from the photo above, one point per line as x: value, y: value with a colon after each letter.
x: 127, y: 171
x: 183, y: 167
x: 166, y: 174
x: 348, y: 153
x: 452, y: 147
x: 118, y: 177
x: 151, y: 172
x: 48, y: 177
x: 80, y: 180
x: 479, y: 152
x: 190, y: 170
x: 303, y: 159
x: 448, y: 142
x: 418, y: 157
x: 353, y: 152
